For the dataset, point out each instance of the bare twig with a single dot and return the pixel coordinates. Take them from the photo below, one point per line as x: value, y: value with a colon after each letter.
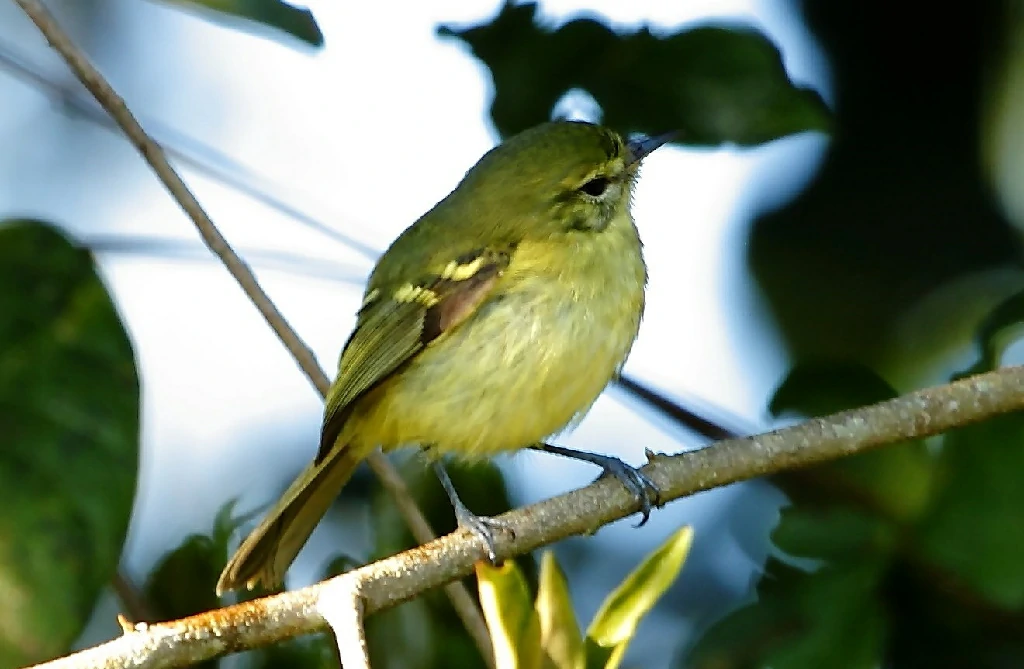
x: 202, y: 158
x: 154, y: 155
x: 293, y: 264
x: 135, y: 605
x: 693, y: 420
x: 399, y: 578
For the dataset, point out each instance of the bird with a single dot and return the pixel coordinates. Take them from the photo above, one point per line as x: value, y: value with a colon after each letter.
x: 490, y: 325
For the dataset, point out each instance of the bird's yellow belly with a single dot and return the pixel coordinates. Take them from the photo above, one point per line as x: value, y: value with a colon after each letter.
x: 521, y: 369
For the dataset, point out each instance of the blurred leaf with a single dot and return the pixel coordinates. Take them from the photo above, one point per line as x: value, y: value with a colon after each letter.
x: 817, y: 389
x: 616, y: 621
x: 511, y: 619
x: 896, y: 583
x: 830, y: 618
x: 868, y: 238
x: 183, y: 583
x: 715, y: 84
x: 69, y: 412
x: 896, y: 480
x: 999, y: 329
x: 837, y: 535
x: 339, y: 565
x: 976, y: 526
x: 404, y: 637
x: 307, y: 653
x: 559, y: 631
x: 939, y: 334
x: 274, y: 13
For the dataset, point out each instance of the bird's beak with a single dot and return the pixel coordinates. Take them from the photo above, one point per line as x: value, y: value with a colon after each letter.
x: 643, y: 146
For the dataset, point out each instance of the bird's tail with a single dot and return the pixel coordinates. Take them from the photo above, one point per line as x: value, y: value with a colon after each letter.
x: 268, y: 551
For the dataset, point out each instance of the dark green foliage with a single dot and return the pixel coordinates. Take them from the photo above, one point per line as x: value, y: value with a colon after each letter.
x: 901, y: 205
x: 906, y: 555
x: 69, y: 416
x: 183, y: 582
x: 716, y: 84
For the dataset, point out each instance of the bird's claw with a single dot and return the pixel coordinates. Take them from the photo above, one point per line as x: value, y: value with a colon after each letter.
x: 483, y: 527
x: 636, y: 482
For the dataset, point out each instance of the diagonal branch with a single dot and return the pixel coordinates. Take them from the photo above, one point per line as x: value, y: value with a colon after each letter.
x: 463, y: 602
x: 185, y: 150
x: 399, y: 578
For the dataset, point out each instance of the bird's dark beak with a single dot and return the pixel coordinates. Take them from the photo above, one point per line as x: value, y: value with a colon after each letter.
x: 643, y: 146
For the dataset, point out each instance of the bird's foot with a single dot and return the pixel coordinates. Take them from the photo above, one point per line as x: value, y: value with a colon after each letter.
x: 635, y: 481
x: 483, y: 527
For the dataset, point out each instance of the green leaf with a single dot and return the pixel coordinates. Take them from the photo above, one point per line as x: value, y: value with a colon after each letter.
x: 69, y: 416
x: 183, y: 581
x: 714, y: 84
x: 559, y: 632
x: 274, y: 13
x: 895, y: 481
x: 616, y: 621
x: 975, y: 528
x: 407, y: 637
x: 306, y: 653
x: 999, y: 329
x: 508, y: 609
x: 831, y: 618
x: 820, y: 388
x: 835, y: 534
x: 338, y: 565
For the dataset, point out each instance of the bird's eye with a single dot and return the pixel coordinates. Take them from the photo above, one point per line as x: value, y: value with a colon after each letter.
x: 595, y: 187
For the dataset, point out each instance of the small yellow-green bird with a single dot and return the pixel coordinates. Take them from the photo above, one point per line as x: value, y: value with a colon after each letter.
x: 490, y: 324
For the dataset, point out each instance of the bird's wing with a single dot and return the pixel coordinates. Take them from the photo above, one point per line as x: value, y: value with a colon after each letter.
x: 396, y: 323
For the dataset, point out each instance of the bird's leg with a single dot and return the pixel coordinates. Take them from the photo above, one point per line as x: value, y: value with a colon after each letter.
x: 482, y: 526
x: 635, y: 481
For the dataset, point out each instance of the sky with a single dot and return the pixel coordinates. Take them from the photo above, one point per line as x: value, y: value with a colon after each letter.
x: 366, y: 135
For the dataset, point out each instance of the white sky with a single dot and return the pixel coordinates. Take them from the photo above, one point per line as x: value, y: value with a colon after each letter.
x: 367, y: 134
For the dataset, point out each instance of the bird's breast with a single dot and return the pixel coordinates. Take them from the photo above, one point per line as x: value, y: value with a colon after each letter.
x: 530, y: 361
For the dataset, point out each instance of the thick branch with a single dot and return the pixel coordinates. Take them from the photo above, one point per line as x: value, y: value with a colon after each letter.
x: 154, y: 155
x: 404, y: 576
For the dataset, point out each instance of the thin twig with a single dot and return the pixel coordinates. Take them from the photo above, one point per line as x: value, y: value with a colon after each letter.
x: 135, y: 605
x: 187, y: 150
x: 154, y: 155
x: 293, y: 264
x: 399, y: 578
x: 683, y: 416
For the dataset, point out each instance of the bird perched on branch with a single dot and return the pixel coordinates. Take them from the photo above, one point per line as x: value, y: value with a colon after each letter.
x: 490, y: 324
